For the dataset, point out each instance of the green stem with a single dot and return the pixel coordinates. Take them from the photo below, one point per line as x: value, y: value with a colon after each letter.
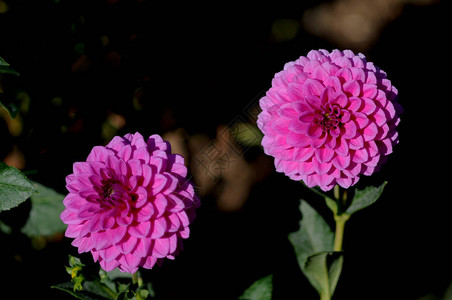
x: 136, y: 279
x: 339, y: 234
x: 325, y: 296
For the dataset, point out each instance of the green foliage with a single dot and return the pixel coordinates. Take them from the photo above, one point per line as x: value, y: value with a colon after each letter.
x: 365, y: 198
x: 5, y: 69
x: 323, y: 271
x: 15, y: 187
x: 261, y: 289
x: 44, y: 218
x: 113, y: 285
x: 313, y: 245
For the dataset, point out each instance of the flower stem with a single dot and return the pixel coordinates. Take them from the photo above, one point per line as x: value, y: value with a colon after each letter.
x: 136, y: 279
x: 339, y: 234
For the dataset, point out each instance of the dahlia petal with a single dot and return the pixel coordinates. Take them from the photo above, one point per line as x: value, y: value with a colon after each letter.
x: 172, y: 184
x: 140, y: 230
x: 150, y: 262
x: 127, y: 244
x: 361, y: 120
x: 125, y: 153
x: 148, y: 174
x: 172, y: 243
x: 298, y: 127
x: 358, y: 74
x: 303, y: 154
x: 327, y: 94
x: 314, y: 131
x: 142, y: 197
x: 370, y: 132
x: 321, y: 168
x: 379, y: 117
x: 317, y: 143
x: 183, y: 217
x: 129, y: 263
x: 87, y: 211
x: 295, y: 91
x: 160, y: 204
x: 145, y: 212
x: 355, y: 104
x: 158, y: 228
x: 331, y: 142
x: 310, y: 66
x: 115, y: 235
x: 342, y: 148
x: 341, y: 162
x: 95, y: 223
x: 350, y: 130
x: 353, y: 87
x: 319, y: 73
x: 345, y: 116
x: 334, y: 82
x: 345, y: 74
x: 81, y: 167
x: 341, y: 99
x: 356, y: 143
x: 312, y: 87
x: 174, y: 222
x: 121, y: 167
x: 369, y: 106
x: 73, y: 230
x: 360, y: 155
x: 110, y: 265
x: 344, y: 182
x: 125, y: 219
x: 161, y: 248
x: 307, y: 117
x: 280, y: 125
x: 99, y: 240
x: 298, y: 140
x: 343, y: 62
x: 135, y: 166
x: 179, y: 169
x: 331, y: 70
x: 185, y: 233
x: 324, y: 155
x: 159, y: 183
x: 369, y: 90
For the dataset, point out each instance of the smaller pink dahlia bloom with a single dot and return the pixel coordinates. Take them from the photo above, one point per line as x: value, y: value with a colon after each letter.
x: 328, y: 118
x: 130, y: 204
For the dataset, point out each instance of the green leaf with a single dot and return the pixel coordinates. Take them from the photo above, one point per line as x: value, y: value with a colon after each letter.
x: 259, y: 290
x: 314, y: 235
x: 364, y: 198
x: 5, y: 69
x: 313, y: 245
x: 15, y: 187
x: 68, y: 287
x: 323, y: 271
x: 46, y: 207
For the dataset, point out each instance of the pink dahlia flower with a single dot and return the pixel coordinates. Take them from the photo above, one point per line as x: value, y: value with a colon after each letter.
x: 328, y: 118
x: 129, y: 204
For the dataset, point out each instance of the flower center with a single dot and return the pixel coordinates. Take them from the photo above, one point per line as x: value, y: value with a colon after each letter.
x: 328, y: 117
x: 113, y: 193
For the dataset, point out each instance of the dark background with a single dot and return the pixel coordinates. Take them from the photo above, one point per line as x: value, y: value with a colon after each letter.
x: 196, y: 67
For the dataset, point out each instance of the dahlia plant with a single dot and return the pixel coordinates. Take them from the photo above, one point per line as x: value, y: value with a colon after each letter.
x: 129, y: 203
x: 328, y: 118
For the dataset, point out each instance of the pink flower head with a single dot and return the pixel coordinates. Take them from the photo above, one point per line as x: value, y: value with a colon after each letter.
x: 328, y: 118
x: 129, y: 204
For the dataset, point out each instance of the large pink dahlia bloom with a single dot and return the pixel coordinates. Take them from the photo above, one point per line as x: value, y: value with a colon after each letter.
x: 129, y: 204
x: 328, y: 118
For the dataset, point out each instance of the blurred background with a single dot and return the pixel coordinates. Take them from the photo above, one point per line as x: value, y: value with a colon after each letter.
x: 194, y: 73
